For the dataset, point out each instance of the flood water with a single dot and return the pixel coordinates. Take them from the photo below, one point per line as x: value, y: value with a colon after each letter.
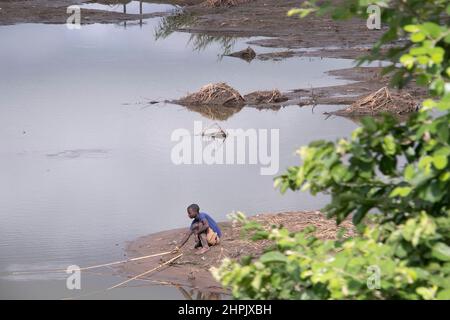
x: 85, y: 160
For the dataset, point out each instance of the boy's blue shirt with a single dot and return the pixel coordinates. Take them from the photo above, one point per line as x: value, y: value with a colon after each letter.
x: 212, y: 224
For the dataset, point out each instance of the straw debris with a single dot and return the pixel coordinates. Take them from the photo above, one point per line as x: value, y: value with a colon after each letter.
x: 247, y: 54
x: 214, y: 94
x: 382, y: 101
x: 265, y: 97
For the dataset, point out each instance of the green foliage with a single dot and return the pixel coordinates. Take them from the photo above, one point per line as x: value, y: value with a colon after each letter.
x: 391, y: 178
x: 396, y: 169
x: 300, y: 266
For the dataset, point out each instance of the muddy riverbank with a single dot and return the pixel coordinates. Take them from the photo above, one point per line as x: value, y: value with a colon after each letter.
x: 254, y: 18
x: 55, y: 12
x: 192, y: 270
x: 309, y: 37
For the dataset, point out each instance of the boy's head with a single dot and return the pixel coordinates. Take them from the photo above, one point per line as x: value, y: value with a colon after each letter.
x: 193, y: 210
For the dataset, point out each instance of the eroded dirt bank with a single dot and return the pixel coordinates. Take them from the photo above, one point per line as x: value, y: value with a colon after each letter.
x: 191, y: 270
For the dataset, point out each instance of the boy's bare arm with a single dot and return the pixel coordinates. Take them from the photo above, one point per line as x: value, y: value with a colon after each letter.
x: 184, y: 240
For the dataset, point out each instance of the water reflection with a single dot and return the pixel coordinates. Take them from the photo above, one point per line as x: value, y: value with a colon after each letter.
x: 215, y: 112
x: 197, y: 41
x: 187, y: 292
x: 196, y: 294
x: 130, y: 7
x: 172, y: 23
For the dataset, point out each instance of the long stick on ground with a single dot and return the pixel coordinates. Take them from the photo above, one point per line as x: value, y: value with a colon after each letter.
x: 125, y: 261
x: 146, y: 272
x: 98, y: 265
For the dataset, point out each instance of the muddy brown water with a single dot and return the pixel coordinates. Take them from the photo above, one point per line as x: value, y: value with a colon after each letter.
x: 85, y: 159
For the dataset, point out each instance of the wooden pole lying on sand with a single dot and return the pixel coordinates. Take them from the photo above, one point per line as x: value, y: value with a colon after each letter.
x: 98, y: 265
x: 146, y: 272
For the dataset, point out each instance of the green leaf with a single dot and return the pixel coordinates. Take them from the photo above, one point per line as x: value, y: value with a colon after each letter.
x: 409, y: 172
x: 443, y: 295
x: 426, y: 293
x: 389, y: 145
x: 407, y: 60
x: 400, y: 191
x: 369, y: 124
x: 411, y: 28
x: 338, y: 172
x: 417, y: 37
x: 257, y: 280
x: 431, y: 29
x: 440, y: 161
x: 273, y: 256
x: 441, y: 251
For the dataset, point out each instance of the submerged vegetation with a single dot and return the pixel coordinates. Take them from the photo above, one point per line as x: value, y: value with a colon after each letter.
x: 392, y: 178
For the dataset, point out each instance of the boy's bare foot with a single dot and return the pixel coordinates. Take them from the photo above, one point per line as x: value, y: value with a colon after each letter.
x: 202, y: 251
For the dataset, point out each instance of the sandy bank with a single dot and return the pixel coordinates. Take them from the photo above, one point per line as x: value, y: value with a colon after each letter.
x: 191, y: 270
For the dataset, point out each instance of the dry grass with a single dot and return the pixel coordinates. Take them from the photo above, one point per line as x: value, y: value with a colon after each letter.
x: 215, y: 94
x: 382, y: 101
x: 211, y: 97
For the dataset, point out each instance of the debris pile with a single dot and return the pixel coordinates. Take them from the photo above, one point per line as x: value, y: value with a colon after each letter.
x: 265, y: 97
x: 247, y: 54
x: 214, y: 94
x: 382, y: 101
